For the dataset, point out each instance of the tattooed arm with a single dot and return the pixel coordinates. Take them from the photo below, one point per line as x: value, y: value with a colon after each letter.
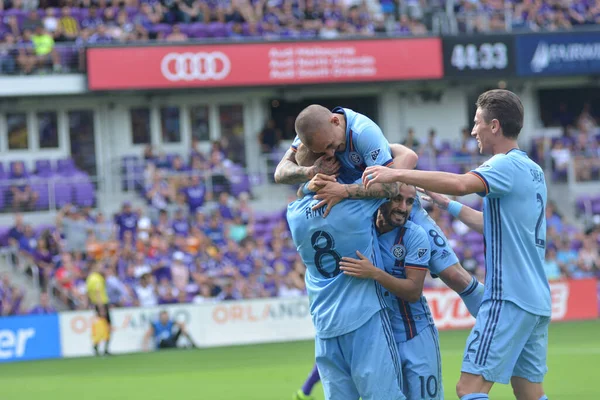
x: 382, y: 191
x: 289, y: 172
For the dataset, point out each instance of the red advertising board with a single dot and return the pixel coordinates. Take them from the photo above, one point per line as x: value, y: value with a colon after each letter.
x: 263, y: 64
x: 571, y: 300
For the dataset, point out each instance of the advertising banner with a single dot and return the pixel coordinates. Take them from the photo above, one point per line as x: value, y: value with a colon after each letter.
x: 558, y: 54
x: 571, y: 300
x: 129, y: 325
x: 29, y: 338
x: 263, y: 64
x: 479, y: 56
x: 256, y: 321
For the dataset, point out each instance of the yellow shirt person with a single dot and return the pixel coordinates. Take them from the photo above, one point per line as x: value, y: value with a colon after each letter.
x: 96, y: 288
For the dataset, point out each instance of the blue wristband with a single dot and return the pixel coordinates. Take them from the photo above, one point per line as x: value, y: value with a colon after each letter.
x: 454, y: 208
x: 305, y: 188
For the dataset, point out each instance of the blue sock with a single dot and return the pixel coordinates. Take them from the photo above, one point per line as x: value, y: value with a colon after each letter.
x: 472, y: 296
x: 544, y: 397
x: 475, y: 396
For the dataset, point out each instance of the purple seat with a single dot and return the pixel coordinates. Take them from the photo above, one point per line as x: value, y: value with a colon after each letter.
x: 218, y: 30
x: 62, y: 193
x: 43, y: 168
x: 84, y: 194
x: 161, y: 28
x: 65, y: 166
x: 2, y: 171
x: 41, y: 187
x: 198, y: 30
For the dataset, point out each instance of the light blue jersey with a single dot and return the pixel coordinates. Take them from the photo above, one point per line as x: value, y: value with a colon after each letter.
x: 514, y: 213
x: 442, y: 255
x: 365, y: 146
x: 338, y: 303
x: 401, y: 248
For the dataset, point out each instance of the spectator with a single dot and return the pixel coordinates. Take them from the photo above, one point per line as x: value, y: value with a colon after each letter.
x: 32, y: 22
x: 68, y: 27
x: 127, y: 220
x: 23, y: 197
x: 93, y: 20
x: 270, y: 137
x: 146, y: 291
x: 44, y: 307
x: 119, y: 294
x: 176, y: 35
x: 74, y: 227
x: 16, y: 232
x: 411, y: 141
x: 43, y: 45
x: 8, y: 55
x: 50, y: 22
x: 180, y: 272
x: 551, y: 265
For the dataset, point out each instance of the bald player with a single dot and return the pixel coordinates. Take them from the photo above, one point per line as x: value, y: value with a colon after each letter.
x: 349, y: 142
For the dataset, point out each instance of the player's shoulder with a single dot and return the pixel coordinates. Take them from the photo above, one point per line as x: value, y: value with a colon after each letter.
x: 415, y: 229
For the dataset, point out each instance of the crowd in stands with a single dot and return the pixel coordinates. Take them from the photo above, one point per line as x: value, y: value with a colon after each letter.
x: 578, y: 146
x: 49, y: 35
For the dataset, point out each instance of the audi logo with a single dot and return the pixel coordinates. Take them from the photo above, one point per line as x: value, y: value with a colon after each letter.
x: 199, y: 66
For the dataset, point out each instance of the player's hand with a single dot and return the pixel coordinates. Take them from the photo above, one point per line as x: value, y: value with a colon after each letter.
x: 319, y: 181
x: 329, y: 195
x: 326, y: 165
x: 361, y: 268
x: 439, y: 200
x: 379, y: 174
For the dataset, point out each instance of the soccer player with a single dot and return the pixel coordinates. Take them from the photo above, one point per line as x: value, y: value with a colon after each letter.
x: 166, y: 332
x: 406, y: 252
x: 349, y: 142
x: 355, y: 350
x: 510, y: 338
x: 96, y: 288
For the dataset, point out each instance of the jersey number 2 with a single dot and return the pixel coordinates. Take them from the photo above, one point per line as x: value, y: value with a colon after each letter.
x: 540, y: 241
x: 323, y: 245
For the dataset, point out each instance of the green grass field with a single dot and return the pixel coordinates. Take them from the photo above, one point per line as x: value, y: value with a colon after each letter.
x: 268, y: 372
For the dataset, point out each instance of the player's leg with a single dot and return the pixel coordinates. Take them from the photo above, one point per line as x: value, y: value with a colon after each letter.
x: 108, y: 329
x: 334, y: 370
x: 421, y: 366
x: 531, y: 366
x: 375, y: 364
x: 311, y: 381
x: 493, y: 347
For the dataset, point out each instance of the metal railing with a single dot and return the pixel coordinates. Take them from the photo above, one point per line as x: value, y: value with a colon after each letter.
x: 49, y: 193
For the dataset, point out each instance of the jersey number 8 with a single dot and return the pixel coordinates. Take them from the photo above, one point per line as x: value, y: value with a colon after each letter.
x: 323, y: 244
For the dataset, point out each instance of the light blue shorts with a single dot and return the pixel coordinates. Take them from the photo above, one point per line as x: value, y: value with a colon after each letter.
x: 361, y: 364
x: 507, y: 341
x: 422, y: 366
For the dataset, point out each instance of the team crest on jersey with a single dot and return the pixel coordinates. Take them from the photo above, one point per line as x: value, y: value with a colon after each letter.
x: 355, y: 158
x: 421, y: 252
x: 399, y: 252
x: 375, y: 154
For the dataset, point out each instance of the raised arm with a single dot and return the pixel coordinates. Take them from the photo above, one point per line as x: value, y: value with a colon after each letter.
x: 468, y: 216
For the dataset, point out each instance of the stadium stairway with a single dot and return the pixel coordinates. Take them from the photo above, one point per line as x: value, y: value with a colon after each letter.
x: 31, y: 292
